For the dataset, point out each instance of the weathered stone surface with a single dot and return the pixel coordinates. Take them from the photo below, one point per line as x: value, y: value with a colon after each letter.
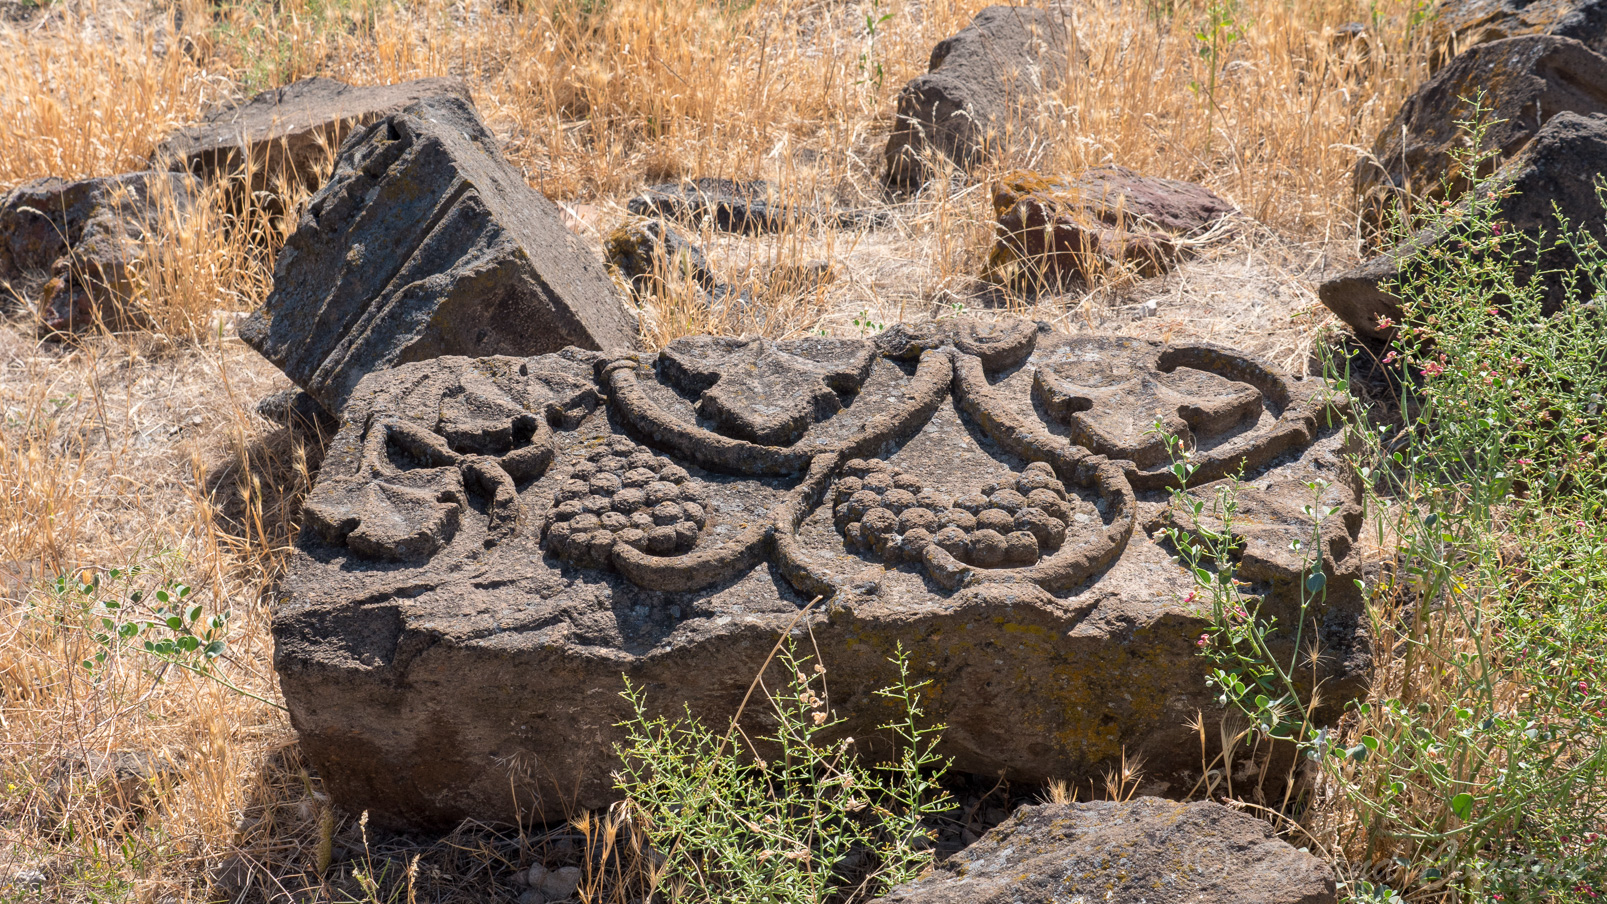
x: 650, y: 254
x: 1135, y: 852
x: 426, y: 242
x: 1456, y: 25
x: 493, y: 543
x: 71, y: 245
x: 1523, y: 82
x: 727, y: 204
x: 1556, y: 171
x: 979, y: 90
x: 287, y: 133
x: 1048, y: 230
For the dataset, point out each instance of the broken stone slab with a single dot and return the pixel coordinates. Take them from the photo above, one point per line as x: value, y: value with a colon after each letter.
x: 1048, y: 230
x: 426, y: 242
x: 286, y: 134
x: 1521, y: 83
x: 1555, y: 172
x: 1454, y: 26
x: 980, y: 90
x: 493, y: 545
x: 72, y: 246
x: 1126, y: 852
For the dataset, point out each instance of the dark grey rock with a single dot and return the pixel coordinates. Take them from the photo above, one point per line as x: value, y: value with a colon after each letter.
x: 981, y: 84
x: 647, y: 252
x: 1135, y: 852
x: 70, y: 246
x: 295, y: 409
x: 287, y: 133
x: 426, y: 242
x: 492, y: 544
x: 1557, y: 171
x: 729, y: 205
x: 1523, y: 82
x: 1456, y: 25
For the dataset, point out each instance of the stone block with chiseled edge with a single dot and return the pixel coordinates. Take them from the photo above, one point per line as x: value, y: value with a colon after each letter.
x: 494, y: 544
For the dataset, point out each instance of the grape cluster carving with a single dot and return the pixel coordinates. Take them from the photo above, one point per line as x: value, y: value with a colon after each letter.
x: 881, y: 509
x: 624, y: 494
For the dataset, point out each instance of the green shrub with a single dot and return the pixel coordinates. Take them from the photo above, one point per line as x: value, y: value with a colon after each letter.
x: 1476, y: 768
x: 804, y: 822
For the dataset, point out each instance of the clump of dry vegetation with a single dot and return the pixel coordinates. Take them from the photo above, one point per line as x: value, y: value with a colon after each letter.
x: 142, y: 448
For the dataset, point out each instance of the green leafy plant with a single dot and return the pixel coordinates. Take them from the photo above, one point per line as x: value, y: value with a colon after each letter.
x: 795, y: 818
x: 871, y: 71
x: 1214, y: 40
x: 1476, y: 767
x: 164, y: 625
x: 867, y: 325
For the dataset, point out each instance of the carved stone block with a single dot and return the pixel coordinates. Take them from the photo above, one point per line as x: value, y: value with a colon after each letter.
x: 494, y: 544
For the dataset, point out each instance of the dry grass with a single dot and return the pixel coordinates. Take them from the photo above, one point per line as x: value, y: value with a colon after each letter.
x: 142, y: 448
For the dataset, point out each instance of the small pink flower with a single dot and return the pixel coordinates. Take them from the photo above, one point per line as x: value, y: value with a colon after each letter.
x: 1204, y: 639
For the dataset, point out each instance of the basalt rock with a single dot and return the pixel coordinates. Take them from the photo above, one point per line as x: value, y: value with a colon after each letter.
x: 1049, y: 230
x: 652, y: 256
x: 979, y: 92
x: 726, y: 204
x: 1454, y: 26
x: 1126, y: 852
x: 426, y: 242
x: 287, y: 134
x: 1556, y: 172
x: 72, y: 246
x: 1521, y: 82
x: 494, y: 545
x: 749, y: 207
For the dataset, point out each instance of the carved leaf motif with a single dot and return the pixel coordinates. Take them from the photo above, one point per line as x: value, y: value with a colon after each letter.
x: 1110, y: 395
x: 405, y: 518
x: 767, y: 392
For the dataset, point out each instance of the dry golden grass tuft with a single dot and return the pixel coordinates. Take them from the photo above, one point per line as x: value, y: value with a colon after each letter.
x: 143, y: 448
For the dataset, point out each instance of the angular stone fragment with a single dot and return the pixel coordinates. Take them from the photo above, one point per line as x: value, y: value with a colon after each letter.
x: 493, y: 544
x: 1522, y: 82
x: 287, y: 133
x: 1558, y: 170
x: 980, y: 90
x: 1049, y: 230
x: 72, y: 245
x: 651, y: 255
x: 1126, y: 852
x: 1456, y: 25
x: 426, y: 242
